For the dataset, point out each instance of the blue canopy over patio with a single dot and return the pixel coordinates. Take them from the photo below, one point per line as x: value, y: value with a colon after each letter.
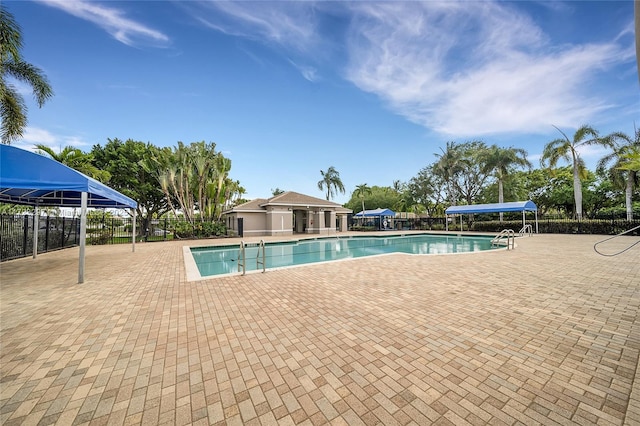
x: 382, y: 218
x: 375, y: 213
x: 28, y: 178
x: 514, y: 206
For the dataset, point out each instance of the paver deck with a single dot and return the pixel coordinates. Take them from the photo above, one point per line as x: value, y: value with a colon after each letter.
x: 547, y: 333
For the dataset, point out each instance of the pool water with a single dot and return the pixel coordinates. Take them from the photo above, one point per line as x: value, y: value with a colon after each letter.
x: 221, y: 260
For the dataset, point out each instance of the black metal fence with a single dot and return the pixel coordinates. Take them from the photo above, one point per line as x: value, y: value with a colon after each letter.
x: 609, y: 224
x: 54, y: 233
x: 16, y: 231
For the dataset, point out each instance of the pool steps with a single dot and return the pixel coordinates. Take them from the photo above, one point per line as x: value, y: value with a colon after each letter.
x: 242, y: 256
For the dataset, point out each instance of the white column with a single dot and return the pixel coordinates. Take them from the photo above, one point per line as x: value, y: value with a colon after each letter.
x: 83, y: 235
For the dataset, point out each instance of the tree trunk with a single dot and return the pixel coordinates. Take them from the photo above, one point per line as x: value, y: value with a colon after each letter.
x: 577, y: 191
x: 500, y: 195
x: 628, y: 193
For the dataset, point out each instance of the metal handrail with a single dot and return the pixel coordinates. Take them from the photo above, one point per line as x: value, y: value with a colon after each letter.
x: 595, y: 246
x: 263, y: 261
x: 526, y: 229
x: 242, y: 259
x: 509, y: 234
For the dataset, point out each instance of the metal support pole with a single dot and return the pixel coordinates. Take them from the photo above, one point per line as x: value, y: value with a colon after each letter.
x: 36, y: 225
x: 133, y: 232
x: 83, y: 235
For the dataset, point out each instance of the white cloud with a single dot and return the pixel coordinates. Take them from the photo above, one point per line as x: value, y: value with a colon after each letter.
x: 462, y: 69
x: 472, y: 68
x: 112, y: 20
x: 291, y: 24
x: 33, y: 136
x: 308, y: 72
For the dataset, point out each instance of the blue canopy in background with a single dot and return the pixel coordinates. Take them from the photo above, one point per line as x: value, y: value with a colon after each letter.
x: 514, y: 206
x: 33, y: 179
x: 375, y: 213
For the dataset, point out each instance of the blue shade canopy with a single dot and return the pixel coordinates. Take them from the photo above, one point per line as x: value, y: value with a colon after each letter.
x: 516, y: 206
x: 33, y: 179
x: 375, y: 213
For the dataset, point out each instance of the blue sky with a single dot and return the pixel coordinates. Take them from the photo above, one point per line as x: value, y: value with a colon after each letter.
x: 286, y: 89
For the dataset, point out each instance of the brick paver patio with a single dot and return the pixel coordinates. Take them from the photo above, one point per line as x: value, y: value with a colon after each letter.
x: 545, y: 334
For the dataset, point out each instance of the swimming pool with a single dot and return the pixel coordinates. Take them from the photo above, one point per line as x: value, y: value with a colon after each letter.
x: 222, y: 260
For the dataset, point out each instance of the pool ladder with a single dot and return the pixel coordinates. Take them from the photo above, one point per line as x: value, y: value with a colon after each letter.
x: 242, y: 256
x: 507, y: 234
x: 527, y: 229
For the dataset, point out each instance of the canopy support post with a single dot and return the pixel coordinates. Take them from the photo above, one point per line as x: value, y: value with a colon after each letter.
x: 36, y: 225
x: 523, y: 220
x: 446, y: 222
x: 83, y: 235
x: 133, y: 232
x: 536, y: 221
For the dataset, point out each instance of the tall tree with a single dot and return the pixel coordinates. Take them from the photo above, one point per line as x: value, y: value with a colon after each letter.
x: 627, y: 177
x: 196, y: 176
x: 12, y: 106
x: 77, y: 160
x: 502, y: 162
x: 361, y: 193
x: 448, y: 165
x: 426, y: 189
x: 124, y: 161
x: 331, y: 182
x: 568, y: 150
x: 472, y: 176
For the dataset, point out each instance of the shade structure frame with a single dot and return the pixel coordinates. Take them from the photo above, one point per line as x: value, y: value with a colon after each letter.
x: 28, y: 178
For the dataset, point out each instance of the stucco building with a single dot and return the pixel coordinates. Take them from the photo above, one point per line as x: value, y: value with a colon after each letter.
x: 286, y: 214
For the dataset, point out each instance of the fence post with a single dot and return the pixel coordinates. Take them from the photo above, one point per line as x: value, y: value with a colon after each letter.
x: 165, y: 228
x: 25, y: 235
x: 46, y: 234
x: 62, y: 235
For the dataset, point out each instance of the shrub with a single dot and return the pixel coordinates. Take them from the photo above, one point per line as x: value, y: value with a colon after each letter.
x: 200, y: 229
x: 100, y: 237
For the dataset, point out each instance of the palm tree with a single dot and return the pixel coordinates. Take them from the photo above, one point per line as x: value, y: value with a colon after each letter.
x: 76, y: 159
x: 12, y: 66
x: 361, y: 192
x: 450, y: 163
x: 622, y: 172
x: 502, y: 161
x: 567, y: 149
x: 631, y: 161
x: 331, y: 181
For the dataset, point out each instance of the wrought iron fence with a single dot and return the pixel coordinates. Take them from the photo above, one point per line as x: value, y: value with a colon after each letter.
x: 16, y: 231
x: 606, y: 224
x: 54, y: 233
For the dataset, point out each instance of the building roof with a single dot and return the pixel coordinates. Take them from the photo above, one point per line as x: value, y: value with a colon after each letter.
x: 288, y: 198
x: 250, y: 205
x: 516, y: 206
